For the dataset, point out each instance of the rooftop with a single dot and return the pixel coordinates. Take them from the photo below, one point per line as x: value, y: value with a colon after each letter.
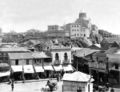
x: 84, y: 52
x: 20, y: 56
x: 60, y: 48
x: 14, y: 49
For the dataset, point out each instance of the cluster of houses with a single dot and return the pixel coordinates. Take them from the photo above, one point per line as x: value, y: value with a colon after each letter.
x: 54, y: 61
x: 103, y: 65
x: 23, y: 64
x: 22, y: 61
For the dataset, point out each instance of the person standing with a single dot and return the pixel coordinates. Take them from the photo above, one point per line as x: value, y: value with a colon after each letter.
x: 12, y: 84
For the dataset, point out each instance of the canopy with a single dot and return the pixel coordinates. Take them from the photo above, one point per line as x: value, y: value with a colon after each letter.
x: 68, y: 68
x: 77, y: 76
x: 17, y: 68
x: 4, y: 65
x: 39, y: 69
x: 48, y: 67
x: 2, y: 74
x: 28, y: 69
x: 58, y: 68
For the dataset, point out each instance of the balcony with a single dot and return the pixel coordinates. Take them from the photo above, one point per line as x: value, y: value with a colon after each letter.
x: 57, y: 62
x: 66, y: 62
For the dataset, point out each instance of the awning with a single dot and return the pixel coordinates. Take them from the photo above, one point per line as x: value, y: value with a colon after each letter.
x: 2, y: 74
x: 58, y: 68
x: 39, y: 69
x: 28, y: 69
x: 17, y: 68
x: 68, y: 68
x: 4, y: 65
x: 48, y: 67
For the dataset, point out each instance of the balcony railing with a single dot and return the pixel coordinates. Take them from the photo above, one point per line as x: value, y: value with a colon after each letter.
x: 66, y: 62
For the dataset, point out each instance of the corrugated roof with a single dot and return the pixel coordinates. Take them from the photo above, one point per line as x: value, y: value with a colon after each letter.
x: 20, y: 55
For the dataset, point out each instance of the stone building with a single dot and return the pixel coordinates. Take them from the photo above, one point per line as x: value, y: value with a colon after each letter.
x: 80, y: 28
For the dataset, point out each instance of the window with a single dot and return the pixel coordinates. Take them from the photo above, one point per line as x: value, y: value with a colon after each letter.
x: 56, y: 56
x: 65, y: 56
x: 116, y: 66
x: 27, y: 61
x: 16, y: 62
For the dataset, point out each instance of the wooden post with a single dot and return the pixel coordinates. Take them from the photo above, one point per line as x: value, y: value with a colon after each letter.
x: 77, y: 63
x: 23, y: 74
x: 107, y: 68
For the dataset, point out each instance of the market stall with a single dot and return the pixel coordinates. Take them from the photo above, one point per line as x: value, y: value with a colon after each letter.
x: 28, y: 72
x: 39, y: 71
x: 17, y: 72
x: 4, y: 76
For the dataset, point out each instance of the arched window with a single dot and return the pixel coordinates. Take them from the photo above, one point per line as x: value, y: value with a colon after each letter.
x: 56, y: 56
x: 65, y: 56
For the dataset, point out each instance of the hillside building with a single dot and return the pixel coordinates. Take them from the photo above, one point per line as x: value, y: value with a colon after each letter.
x: 56, y: 31
x: 80, y: 28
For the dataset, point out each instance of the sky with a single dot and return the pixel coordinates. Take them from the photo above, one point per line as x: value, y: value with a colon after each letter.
x: 22, y: 15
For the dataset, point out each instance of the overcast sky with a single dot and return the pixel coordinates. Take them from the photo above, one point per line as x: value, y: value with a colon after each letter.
x: 21, y: 15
